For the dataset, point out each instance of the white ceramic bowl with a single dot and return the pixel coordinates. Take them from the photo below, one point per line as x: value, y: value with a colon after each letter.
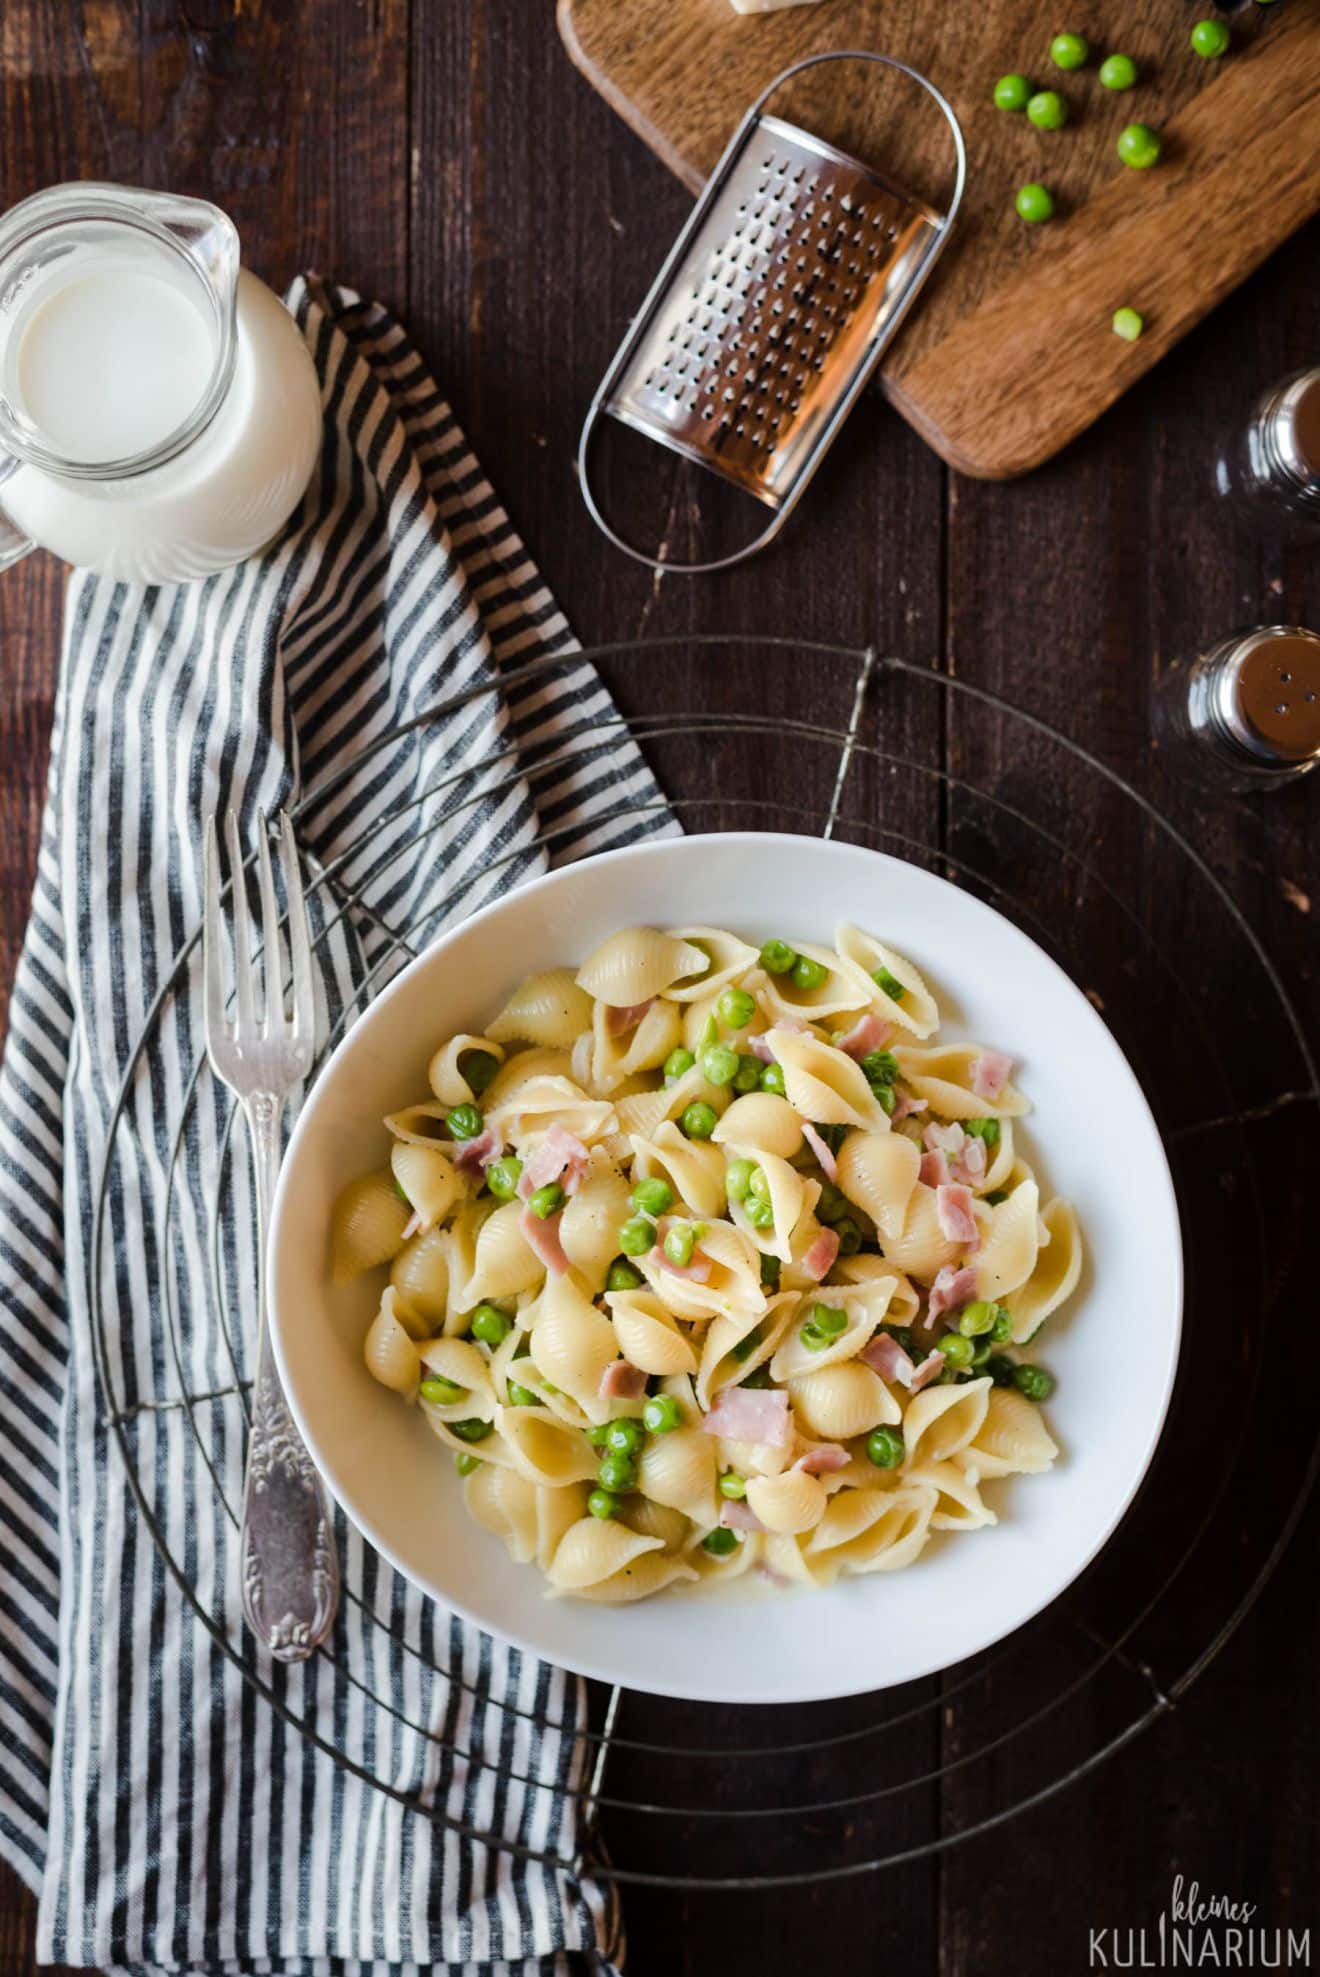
x: 1113, y: 1349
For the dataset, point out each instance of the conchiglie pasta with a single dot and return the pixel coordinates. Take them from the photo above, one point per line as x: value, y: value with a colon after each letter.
x: 589, y: 1225
x: 863, y: 1308
x: 367, y: 1226
x: 921, y: 1249
x: 785, y: 1191
x: 944, y: 1077
x: 502, y: 1262
x: 1012, y: 1439
x: 504, y: 1502
x: 593, y: 1550
x: 644, y: 1112
x: 761, y: 1119
x: 824, y: 1084
x: 725, y: 958
x: 878, y: 1172
x: 446, y: 1069
x: 940, y: 1421
x: 915, y: 1010
x: 648, y: 1337
x: 614, y: 1056
x: 735, y: 1347
x: 420, y: 1275
x: 548, y: 1009
x: 787, y: 1504
x: 845, y: 989
x: 460, y: 1363
x: 678, y: 1469
x: 642, y: 1579
x: 390, y: 1353
x: 958, y: 1502
x: 421, y: 1125
x: 545, y: 1450
x: 694, y: 1168
x: 572, y: 1344
x: 521, y: 1069
x: 636, y: 963
x: 532, y: 1108
x: 1010, y: 1243
x: 843, y: 1400
x: 879, y: 1530
x: 1054, y: 1274
x: 656, y: 1520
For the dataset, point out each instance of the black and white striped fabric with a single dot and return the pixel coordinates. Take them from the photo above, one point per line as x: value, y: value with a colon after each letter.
x: 167, y: 1814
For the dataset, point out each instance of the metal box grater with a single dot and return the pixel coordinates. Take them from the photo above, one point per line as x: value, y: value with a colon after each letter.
x: 772, y: 310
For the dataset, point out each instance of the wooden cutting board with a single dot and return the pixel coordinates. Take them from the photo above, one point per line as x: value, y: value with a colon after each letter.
x: 1009, y: 353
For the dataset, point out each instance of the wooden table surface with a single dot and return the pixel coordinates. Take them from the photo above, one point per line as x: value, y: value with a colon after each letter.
x: 443, y: 155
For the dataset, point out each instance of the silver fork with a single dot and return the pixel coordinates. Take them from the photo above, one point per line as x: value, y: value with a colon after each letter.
x: 290, y: 1565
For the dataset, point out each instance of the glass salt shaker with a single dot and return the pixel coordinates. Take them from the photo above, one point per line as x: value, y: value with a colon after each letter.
x: 1246, y: 714
x: 1268, y: 470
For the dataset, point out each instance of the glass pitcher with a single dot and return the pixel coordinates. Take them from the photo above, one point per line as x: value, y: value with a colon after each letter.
x: 160, y: 414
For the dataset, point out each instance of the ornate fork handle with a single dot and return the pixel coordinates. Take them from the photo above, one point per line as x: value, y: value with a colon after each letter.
x: 290, y: 1563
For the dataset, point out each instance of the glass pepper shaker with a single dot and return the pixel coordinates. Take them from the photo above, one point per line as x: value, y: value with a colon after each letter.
x: 1246, y: 714
x: 1268, y: 470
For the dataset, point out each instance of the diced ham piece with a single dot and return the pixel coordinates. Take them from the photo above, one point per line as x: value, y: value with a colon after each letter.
x: 886, y: 1357
x: 905, y: 1103
x: 560, y: 1157
x: 829, y: 1165
x: 621, y: 1380
x: 934, y: 1168
x: 738, y: 1516
x: 951, y: 1289
x: 969, y: 1165
x: 617, y: 1021
x: 930, y: 1369
x: 542, y: 1238
x: 823, y: 1461
x: 953, y: 1211
x: 867, y: 1034
x: 760, y: 1047
x: 750, y: 1414
x: 476, y: 1155
x: 946, y: 1139
x: 990, y: 1073
x: 698, y: 1270
x: 821, y: 1257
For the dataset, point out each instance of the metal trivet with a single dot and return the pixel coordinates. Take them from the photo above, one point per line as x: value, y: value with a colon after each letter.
x: 770, y: 1797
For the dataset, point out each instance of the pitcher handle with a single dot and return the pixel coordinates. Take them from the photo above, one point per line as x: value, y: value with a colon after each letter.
x: 14, y: 545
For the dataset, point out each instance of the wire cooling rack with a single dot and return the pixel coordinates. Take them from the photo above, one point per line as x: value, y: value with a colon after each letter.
x: 880, y: 752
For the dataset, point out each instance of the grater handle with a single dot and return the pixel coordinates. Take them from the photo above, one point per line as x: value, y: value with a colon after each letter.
x: 672, y: 261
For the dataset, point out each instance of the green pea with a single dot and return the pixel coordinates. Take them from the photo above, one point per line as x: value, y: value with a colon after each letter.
x: 637, y: 1236
x: 770, y: 1268
x: 738, y: 1179
x: 749, y: 1074
x: 719, y: 1542
x: 733, y: 1486
x: 976, y: 1318
x: 735, y: 1008
x: 678, y: 1063
x: 956, y: 1349
x: 502, y: 1177
x: 1118, y: 72
x: 759, y: 1213
x: 698, y: 1120
x: 832, y: 1206
x: 623, y: 1277
x: 471, y: 1431
x: 1069, y: 51
x: 661, y: 1414
x: 546, y: 1201
x: 597, y: 1432
x: 617, y: 1473
x: 478, y: 1068
x: 679, y: 1243
x: 758, y: 1377
x: 813, y: 1338
x: 719, y: 1065
x: 747, y: 1346
x: 624, y: 1437
x: 1047, y: 110
x: 1210, y: 39
x: 880, y: 1067
x: 1139, y: 146
x: 833, y: 1136
x: 886, y: 1098
x: 849, y: 1234
x: 777, y: 957
x: 520, y: 1396
x: 1034, y: 204
x: 759, y: 1184
x: 890, y: 984
x: 490, y: 1325
x: 1128, y: 324
x: 653, y: 1197
x: 772, y: 1079
x: 1001, y: 1369
x: 1034, y: 1382
x: 440, y: 1393
x: 982, y: 1129
x: 1002, y: 1329
x: 830, y: 1320
x: 809, y: 974
x: 710, y: 1034
x: 1012, y: 92
x: 885, y: 1447
x: 464, y: 1122
x: 996, y: 1197
x: 601, y: 1504
x: 466, y: 1463
x: 981, y: 1351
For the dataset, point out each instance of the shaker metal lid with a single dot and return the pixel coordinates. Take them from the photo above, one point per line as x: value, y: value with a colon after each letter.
x: 1296, y: 425
x: 1269, y: 694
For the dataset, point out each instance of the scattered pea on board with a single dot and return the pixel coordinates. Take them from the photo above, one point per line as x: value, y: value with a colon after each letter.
x: 1012, y: 92
x: 1069, y: 51
x: 1139, y: 146
x: 1210, y: 39
x: 1047, y: 110
x: 1034, y: 204
x: 1128, y: 324
x: 1118, y: 72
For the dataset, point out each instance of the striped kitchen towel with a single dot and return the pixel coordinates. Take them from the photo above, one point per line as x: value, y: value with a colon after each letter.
x: 170, y: 1813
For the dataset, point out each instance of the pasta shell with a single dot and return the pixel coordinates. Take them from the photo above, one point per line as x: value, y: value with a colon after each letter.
x: 557, y: 1511
x: 644, y: 1112
x: 548, y: 1009
x: 544, y: 1449
x: 367, y: 1225
x: 939, y: 1421
x: 958, y: 1504
x: 593, y: 1550
x: 864, y: 1309
x: 446, y: 1075
x: 916, y: 1009
x: 427, y: 1178
x: 787, y: 1504
x: 1009, y: 1247
x: 656, y: 1520
x: 864, y: 1269
x: 589, y: 1225
x: 733, y: 1286
x: 503, y: 1502
x: 572, y: 1344
x: 824, y: 1084
x: 503, y: 1263
x: 786, y: 1194
x: 647, y: 1335
x: 636, y: 963
x: 1012, y: 1439
x: 464, y: 1366
x: 614, y: 1058
x: 761, y: 1119
x: 642, y: 1579
x: 724, y: 959
x: 491, y: 1451
x: 846, y: 988
x: 877, y: 1172
x: 421, y: 1125
x: 876, y: 1530
x: 694, y: 1168
x: 519, y: 1070
x: 735, y: 1564
x: 1000, y: 1166
x: 843, y: 1400
x: 540, y: 1102
x: 943, y: 1077
x: 678, y: 1469
x: 719, y: 1367
x: 1054, y: 1274
x: 420, y: 1274
x: 389, y: 1353
x: 787, y: 1562
x: 922, y: 1249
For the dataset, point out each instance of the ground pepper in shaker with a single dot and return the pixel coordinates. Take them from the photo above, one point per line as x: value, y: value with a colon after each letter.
x: 1246, y: 714
x: 1268, y: 470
